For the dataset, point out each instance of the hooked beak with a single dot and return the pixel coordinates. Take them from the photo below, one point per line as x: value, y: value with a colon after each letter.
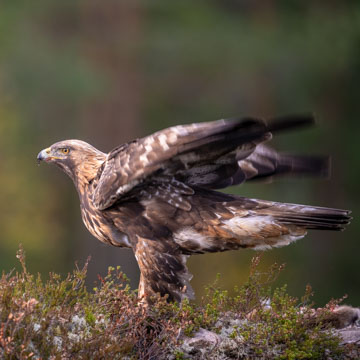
x: 44, y: 155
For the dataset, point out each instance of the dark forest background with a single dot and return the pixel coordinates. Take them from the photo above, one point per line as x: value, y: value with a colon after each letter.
x: 109, y: 71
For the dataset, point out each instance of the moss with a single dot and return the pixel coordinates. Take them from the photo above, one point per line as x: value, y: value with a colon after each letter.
x: 60, y: 318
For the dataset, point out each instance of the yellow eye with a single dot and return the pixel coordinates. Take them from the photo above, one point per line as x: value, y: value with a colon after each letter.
x: 65, y: 151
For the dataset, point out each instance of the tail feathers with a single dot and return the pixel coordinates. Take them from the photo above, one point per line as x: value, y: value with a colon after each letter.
x: 317, y: 218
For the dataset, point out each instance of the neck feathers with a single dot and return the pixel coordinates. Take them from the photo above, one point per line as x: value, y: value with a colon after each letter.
x: 87, y: 170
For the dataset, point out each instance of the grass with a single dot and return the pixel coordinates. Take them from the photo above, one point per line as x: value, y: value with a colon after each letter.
x: 60, y: 319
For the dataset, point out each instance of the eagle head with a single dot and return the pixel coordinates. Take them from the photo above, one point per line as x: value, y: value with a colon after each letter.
x: 76, y: 158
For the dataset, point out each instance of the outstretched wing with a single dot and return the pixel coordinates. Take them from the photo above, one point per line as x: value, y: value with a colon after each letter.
x: 263, y: 162
x: 196, y: 154
x: 163, y: 269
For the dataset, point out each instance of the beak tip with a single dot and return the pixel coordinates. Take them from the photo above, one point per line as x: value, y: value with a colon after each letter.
x: 39, y: 157
x: 42, y: 155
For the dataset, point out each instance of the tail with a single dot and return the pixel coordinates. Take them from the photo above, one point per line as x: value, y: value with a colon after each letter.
x: 309, y: 217
x: 262, y: 225
x: 230, y: 222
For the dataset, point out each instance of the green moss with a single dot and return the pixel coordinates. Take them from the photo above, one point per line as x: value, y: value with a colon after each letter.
x: 60, y: 318
x: 179, y: 355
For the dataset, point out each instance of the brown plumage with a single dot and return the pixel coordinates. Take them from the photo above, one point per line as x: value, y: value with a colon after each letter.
x: 156, y: 195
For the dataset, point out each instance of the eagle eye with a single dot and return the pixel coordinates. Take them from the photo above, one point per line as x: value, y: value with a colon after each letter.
x: 65, y: 151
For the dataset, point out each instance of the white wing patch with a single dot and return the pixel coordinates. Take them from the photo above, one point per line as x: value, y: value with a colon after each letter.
x: 250, y: 232
x: 243, y: 226
x: 188, y: 235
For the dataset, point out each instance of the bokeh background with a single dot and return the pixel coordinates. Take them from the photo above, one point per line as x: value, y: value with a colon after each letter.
x: 109, y: 71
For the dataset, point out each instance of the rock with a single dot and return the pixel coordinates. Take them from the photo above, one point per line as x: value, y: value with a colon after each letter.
x: 350, y: 335
x: 202, y: 341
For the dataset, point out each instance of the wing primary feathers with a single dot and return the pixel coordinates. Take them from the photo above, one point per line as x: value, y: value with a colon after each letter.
x: 237, y: 132
x: 265, y: 162
x: 290, y: 122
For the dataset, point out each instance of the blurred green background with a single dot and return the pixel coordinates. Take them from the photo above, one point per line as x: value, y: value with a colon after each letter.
x: 109, y: 71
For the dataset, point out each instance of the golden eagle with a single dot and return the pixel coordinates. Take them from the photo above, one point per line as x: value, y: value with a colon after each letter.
x: 157, y: 195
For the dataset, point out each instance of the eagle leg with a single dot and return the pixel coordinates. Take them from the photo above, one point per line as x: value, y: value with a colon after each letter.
x: 163, y: 270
